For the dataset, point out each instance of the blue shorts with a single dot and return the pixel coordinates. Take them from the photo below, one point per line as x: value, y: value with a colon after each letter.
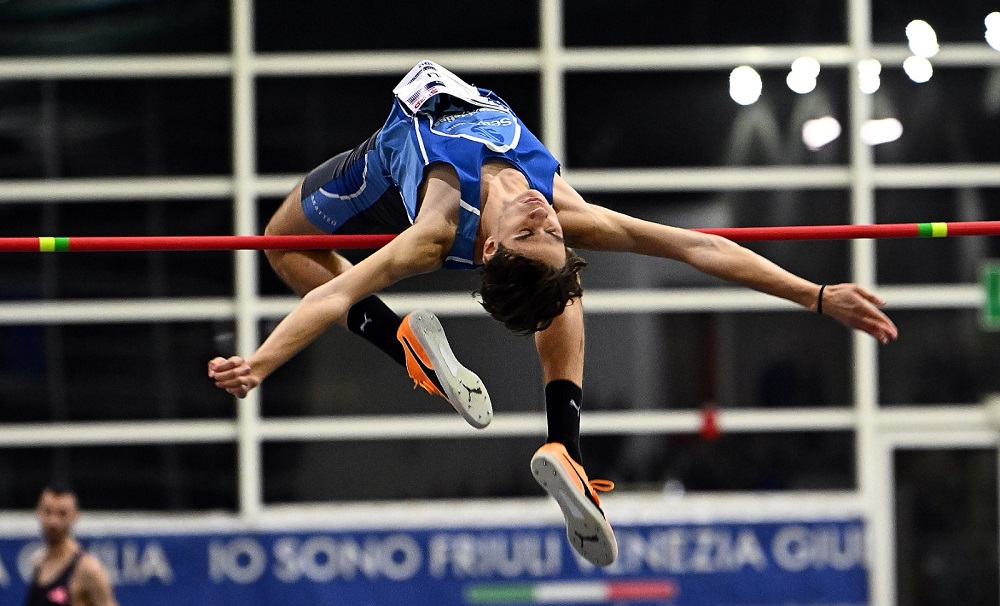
x: 352, y: 193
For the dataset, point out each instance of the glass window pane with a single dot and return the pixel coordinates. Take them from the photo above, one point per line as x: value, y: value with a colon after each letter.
x: 175, y: 477
x: 732, y: 462
x: 935, y: 260
x: 740, y: 360
x: 946, y: 527
x: 412, y: 469
x: 304, y: 121
x: 115, y: 27
x: 298, y: 25
x: 407, y: 469
x: 958, y: 22
x: 640, y: 361
x: 96, y: 372
x: 818, y: 260
x: 85, y: 275
x: 950, y: 118
x: 101, y: 128
x: 652, y: 22
x: 649, y: 119
x: 774, y: 364
x: 340, y: 374
x: 946, y: 359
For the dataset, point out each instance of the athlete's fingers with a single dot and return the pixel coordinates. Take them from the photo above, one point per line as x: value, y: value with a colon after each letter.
x: 886, y: 327
x: 880, y: 327
x: 239, y: 391
x: 230, y: 362
x: 870, y: 296
x: 218, y: 366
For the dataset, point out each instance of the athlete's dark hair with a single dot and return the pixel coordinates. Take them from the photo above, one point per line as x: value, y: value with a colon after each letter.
x: 525, y: 294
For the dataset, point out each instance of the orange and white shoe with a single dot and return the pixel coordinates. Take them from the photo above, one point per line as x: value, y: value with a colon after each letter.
x: 433, y: 366
x: 565, y: 480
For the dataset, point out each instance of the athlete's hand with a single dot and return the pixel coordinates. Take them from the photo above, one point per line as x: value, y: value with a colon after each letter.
x: 233, y: 374
x: 855, y: 307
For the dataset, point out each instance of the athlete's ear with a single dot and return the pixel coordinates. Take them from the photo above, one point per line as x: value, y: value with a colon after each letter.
x: 489, y: 248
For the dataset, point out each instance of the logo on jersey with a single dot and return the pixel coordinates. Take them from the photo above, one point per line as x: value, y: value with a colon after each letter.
x: 496, y: 129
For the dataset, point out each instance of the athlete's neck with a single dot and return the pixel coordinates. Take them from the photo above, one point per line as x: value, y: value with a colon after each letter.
x: 499, y: 181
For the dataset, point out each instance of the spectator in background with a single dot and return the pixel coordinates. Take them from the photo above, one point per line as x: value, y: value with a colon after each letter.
x: 64, y: 574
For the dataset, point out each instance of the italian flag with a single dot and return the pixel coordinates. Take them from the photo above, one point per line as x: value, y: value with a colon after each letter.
x: 575, y: 592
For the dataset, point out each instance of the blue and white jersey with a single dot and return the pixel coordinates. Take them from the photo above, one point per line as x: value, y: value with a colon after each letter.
x: 436, y: 117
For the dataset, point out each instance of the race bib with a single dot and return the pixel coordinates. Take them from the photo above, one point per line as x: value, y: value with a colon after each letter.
x: 428, y: 79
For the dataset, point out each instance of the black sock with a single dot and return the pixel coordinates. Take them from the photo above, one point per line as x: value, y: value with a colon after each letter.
x: 563, y: 400
x: 373, y: 320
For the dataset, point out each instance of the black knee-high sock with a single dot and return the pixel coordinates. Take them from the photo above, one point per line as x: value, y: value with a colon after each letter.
x: 373, y: 320
x: 563, y: 400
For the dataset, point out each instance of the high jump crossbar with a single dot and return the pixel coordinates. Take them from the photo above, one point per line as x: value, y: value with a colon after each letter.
x: 343, y: 242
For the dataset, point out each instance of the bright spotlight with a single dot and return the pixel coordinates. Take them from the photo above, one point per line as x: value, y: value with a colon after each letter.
x: 869, y: 84
x: 993, y: 30
x: 869, y: 67
x: 875, y: 132
x: 993, y: 38
x: 800, y: 83
x: 919, y: 69
x: 868, y: 72
x: 802, y: 78
x: 745, y: 85
x: 807, y: 66
x: 922, y: 37
x: 817, y: 133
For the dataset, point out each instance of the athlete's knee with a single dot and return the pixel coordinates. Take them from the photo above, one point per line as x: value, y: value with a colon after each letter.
x: 282, y: 223
x: 289, y: 219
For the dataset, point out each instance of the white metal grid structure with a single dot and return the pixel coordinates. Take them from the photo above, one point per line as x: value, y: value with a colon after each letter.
x: 879, y: 431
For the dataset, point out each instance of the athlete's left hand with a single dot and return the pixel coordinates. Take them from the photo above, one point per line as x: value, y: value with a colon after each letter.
x: 856, y: 307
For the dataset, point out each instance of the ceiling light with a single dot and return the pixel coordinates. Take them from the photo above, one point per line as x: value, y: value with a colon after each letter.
x: 922, y: 37
x: 919, y: 69
x: 817, y: 133
x: 745, y: 85
x: 875, y: 132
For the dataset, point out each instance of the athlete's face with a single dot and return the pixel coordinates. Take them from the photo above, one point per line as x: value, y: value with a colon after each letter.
x: 56, y: 513
x: 528, y: 225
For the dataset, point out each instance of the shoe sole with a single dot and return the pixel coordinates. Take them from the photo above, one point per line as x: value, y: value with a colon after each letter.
x: 586, y: 527
x: 462, y: 387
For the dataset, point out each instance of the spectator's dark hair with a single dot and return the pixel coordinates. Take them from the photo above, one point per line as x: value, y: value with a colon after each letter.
x: 59, y: 487
x: 526, y: 294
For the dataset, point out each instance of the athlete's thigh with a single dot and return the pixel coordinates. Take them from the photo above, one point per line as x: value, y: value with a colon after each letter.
x: 290, y: 219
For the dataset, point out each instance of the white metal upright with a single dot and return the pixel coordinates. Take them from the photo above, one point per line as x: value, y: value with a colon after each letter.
x: 553, y: 77
x: 244, y: 127
x: 873, y: 485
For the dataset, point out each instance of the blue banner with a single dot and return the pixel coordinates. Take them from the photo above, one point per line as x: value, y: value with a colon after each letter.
x: 814, y: 563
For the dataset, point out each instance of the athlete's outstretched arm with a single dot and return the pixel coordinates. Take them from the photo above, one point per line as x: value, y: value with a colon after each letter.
x: 419, y: 249
x: 592, y: 227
